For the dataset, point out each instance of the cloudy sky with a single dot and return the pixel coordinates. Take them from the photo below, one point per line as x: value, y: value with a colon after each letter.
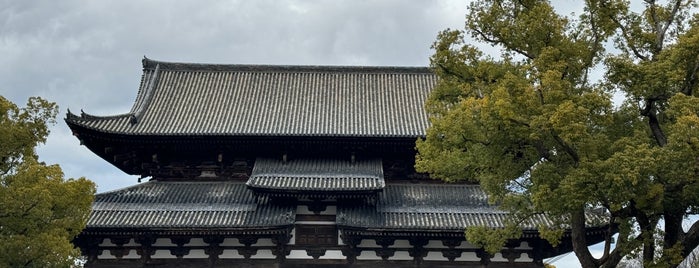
x: 87, y: 54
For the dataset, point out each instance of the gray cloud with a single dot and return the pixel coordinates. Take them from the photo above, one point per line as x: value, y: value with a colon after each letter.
x: 86, y: 54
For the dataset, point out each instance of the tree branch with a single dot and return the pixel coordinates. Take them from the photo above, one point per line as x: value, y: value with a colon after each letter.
x: 569, y: 150
x: 650, y: 112
x: 625, y: 34
x: 543, y: 151
x: 616, y: 255
x: 454, y: 74
x: 504, y: 44
x: 691, y: 78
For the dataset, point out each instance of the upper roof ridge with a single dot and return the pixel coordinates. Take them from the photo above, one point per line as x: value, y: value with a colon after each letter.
x: 150, y: 64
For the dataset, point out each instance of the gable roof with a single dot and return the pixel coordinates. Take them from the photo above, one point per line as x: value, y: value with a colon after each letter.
x: 266, y: 100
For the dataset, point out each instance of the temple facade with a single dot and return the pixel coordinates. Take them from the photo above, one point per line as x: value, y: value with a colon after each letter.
x: 284, y: 166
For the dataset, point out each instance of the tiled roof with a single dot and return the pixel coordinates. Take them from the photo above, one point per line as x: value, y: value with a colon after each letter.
x: 324, y: 175
x: 435, y: 207
x: 259, y: 100
x: 185, y: 205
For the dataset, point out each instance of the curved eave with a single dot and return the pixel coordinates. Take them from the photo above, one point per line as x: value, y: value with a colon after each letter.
x: 80, y: 123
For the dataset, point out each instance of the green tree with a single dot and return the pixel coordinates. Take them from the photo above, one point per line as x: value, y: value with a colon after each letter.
x: 40, y: 211
x: 543, y: 137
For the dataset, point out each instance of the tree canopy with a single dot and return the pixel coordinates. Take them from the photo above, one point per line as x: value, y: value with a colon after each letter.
x: 40, y: 211
x: 541, y: 134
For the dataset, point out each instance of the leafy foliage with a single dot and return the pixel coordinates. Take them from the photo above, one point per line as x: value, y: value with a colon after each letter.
x: 40, y: 211
x: 542, y: 137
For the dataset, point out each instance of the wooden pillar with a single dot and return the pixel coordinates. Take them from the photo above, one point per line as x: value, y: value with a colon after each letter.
x: 248, y: 250
x: 418, y: 251
x: 281, y: 243
x: 213, y: 250
x: 120, y: 251
x: 146, y: 249
x: 180, y: 251
x: 384, y: 252
x: 485, y: 257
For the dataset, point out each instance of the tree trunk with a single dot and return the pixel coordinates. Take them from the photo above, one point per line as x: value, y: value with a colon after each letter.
x: 577, y: 224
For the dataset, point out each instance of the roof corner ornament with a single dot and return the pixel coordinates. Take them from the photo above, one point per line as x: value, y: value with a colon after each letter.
x: 133, y: 119
x: 70, y: 115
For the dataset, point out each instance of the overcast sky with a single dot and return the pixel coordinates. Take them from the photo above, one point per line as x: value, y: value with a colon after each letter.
x: 87, y: 54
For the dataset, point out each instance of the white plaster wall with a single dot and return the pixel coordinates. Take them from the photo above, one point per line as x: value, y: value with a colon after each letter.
x: 468, y: 256
x: 292, y: 241
x: 163, y: 254
x: 401, y: 243
x: 132, y: 255
x: 263, y: 254
x: 230, y: 254
x: 106, y: 254
x: 435, y: 244
x: 368, y: 243
x: 368, y: 255
x: 332, y: 255
x: 231, y: 242
x: 401, y: 255
x: 194, y: 242
x: 196, y: 254
x: 524, y: 245
x: 298, y: 254
x: 498, y: 258
x: 524, y: 258
x: 264, y: 242
x: 107, y: 243
x: 435, y: 256
x: 467, y: 245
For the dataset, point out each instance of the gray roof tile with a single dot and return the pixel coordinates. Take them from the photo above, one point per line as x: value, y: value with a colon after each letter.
x: 324, y: 175
x: 430, y: 207
x: 185, y: 205
x: 251, y: 100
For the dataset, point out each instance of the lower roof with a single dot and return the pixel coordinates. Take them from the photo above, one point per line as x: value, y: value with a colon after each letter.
x: 227, y: 205
x: 432, y: 207
x: 154, y: 204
